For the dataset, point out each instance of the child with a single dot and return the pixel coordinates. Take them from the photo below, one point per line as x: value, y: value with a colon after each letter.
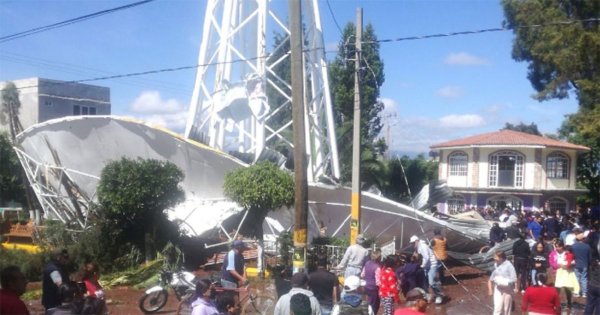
x: 388, y: 290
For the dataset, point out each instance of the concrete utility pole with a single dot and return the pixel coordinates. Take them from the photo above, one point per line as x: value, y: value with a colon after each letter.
x: 300, y: 163
x: 355, y: 212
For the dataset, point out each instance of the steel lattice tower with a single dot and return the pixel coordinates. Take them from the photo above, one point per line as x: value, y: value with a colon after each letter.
x: 242, y: 98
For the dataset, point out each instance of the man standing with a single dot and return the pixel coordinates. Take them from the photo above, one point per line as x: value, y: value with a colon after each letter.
x: 13, y: 284
x: 440, y: 250
x: 234, y: 271
x: 354, y: 258
x: 583, y: 258
x: 299, y: 284
x: 534, y: 228
x: 429, y: 265
x: 324, y: 285
x: 54, y: 276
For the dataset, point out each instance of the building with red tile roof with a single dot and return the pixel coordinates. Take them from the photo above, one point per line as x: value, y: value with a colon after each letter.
x: 510, y: 169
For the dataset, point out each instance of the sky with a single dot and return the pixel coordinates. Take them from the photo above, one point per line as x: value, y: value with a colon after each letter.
x: 435, y: 89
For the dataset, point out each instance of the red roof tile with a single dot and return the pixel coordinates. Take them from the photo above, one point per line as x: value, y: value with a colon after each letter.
x: 508, y: 137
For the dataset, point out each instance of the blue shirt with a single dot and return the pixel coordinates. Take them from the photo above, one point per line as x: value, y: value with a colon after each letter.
x: 582, y: 253
x: 535, y: 228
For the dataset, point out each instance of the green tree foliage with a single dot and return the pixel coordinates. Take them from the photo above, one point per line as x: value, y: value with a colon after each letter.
x: 563, y: 59
x: 259, y: 188
x: 522, y: 127
x: 11, y: 175
x: 418, y: 171
x: 10, y: 108
x: 134, y: 195
x: 341, y: 71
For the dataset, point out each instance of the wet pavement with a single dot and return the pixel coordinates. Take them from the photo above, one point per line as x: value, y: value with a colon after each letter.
x: 468, y: 296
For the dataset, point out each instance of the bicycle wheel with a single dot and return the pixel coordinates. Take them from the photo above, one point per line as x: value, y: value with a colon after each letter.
x: 259, y: 304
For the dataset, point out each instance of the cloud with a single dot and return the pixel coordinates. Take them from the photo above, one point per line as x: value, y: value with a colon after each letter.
x: 465, y: 59
x: 150, y: 102
x: 461, y: 121
x: 450, y: 92
x: 390, y: 104
x: 151, y: 108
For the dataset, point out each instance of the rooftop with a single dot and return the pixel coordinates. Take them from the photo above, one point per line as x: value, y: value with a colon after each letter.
x: 508, y: 138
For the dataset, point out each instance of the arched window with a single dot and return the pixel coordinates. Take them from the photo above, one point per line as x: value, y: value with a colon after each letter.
x: 506, y: 169
x: 456, y: 204
x: 557, y: 166
x: 501, y: 202
x: 556, y: 203
x: 457, y: 163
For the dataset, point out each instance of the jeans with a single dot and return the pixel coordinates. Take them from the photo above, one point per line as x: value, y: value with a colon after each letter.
x: 432, y: 281
x: 582, y: 278
x: 373, y: 298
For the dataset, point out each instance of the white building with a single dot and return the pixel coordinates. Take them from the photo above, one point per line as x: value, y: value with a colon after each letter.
x: 509, y: 169
x: 44, y: 99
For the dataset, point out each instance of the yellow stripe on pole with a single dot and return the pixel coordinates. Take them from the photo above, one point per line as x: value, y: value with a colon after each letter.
x: 355, y: 217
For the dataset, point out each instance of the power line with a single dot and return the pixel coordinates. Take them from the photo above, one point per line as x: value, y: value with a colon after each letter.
x: 69, y: 21
x: 334, y: 19
x: 135, y: 74
x: 488, y: 30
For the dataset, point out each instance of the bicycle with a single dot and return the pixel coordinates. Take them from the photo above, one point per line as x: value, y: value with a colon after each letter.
x: 251, y: 302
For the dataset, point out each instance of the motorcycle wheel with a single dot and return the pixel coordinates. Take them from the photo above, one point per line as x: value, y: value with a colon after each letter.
x: 150, y: 303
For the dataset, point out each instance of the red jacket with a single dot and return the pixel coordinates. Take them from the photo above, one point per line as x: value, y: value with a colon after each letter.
x: 542, y: 299
x: 388, y: 286
x: 11, y: 304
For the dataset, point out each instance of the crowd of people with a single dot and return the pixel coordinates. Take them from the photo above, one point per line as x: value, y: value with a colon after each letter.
x: 552, y: 254
x: 60, y: 295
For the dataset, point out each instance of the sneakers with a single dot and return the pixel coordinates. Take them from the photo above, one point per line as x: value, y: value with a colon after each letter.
x: 438, y: 300
x: 584, y: 296
x: 576, y: 295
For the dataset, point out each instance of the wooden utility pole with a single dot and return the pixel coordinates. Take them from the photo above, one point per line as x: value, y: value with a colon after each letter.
x: 300, y: 163
x: 355, y: 212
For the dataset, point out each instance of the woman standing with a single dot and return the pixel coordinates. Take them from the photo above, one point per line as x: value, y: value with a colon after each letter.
x: 502, y: 280
x: 540, y: 298
x: 539, y: 261
x: 565, y: 276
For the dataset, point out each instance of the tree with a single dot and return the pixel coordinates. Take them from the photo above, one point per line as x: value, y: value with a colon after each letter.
x: 341, y: 71
x: 531, y: 128
x: 417, y: 172
x: 258, y: 189
x: 563, y: 59
x: 11, y: 175
x: 134, y: 195
x: 9, y: 111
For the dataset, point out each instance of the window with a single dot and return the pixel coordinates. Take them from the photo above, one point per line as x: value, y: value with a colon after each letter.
x: 557, y: 166
x: 83, y: 110
x: 506, y: 169
x: 557, y: 204
x: 456, y: 204
x: 500, y: 202
x: 458, y: 163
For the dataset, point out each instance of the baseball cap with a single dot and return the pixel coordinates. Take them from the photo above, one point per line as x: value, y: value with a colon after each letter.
x: 360, y: 239
x: 351, y: 283
x: 413, y: 239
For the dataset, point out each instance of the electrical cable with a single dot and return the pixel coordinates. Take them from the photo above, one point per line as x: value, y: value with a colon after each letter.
x: 489, y: 30
x: 69, y: 21
x: 334, y: 19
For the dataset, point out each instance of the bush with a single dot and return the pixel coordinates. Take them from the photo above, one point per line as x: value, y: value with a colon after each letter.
x: 31, y: 264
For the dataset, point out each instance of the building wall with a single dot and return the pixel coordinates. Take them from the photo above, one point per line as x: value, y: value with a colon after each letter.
x: 44, y: 99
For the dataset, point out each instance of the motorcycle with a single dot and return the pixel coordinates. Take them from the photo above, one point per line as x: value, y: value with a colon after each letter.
x: 181, y: 282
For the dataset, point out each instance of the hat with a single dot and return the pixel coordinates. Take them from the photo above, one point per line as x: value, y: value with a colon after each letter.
x: 413, y: 239
x: 577, y: 230
x: 238, y: 244
x: 351, y: 283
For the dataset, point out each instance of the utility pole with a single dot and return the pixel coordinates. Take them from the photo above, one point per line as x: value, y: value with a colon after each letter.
x: 355, y: 212
x: 300, y: 163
